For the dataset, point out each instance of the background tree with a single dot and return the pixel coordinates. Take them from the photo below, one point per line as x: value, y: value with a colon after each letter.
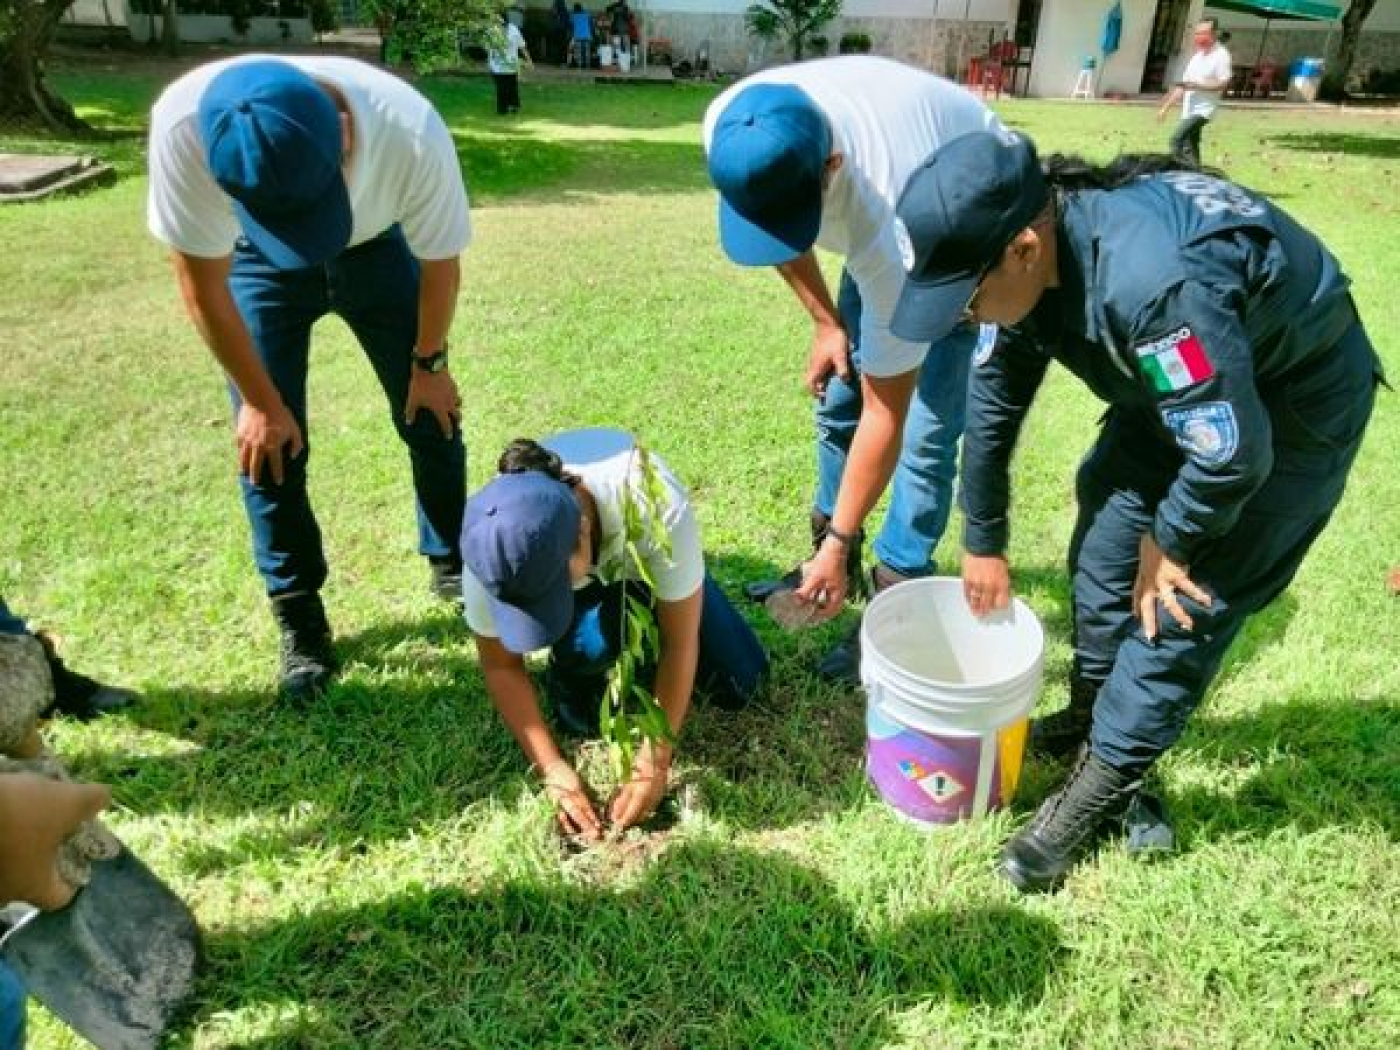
x: 799, y: 21
x: 26, y: 30
x: 1336, y: 81
x: 428, y: 34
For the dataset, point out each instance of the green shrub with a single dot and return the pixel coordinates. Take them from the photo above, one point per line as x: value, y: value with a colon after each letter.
x: 854, y: 44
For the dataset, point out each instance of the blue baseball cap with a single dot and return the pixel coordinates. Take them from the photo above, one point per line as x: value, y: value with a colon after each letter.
x: 517, y: 536
x: 958, y: 212
x: 272, y: 137
x: 767, y: 153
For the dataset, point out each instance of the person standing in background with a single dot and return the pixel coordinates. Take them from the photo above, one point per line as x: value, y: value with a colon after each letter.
x: 581, y: 43
x: 507, y: 50
x: 1202, y: 85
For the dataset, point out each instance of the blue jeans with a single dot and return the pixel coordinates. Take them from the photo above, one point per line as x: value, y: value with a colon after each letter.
x: 11, y: 1009
x: 921, y: 491
x: 9, y: 622
x: 374, y: 288
x: 730, y: 670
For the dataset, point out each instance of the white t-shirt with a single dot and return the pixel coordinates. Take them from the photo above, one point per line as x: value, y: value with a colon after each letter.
x: 504, y: 55
x: 1205, y: 65
x: 403, y: 165
x: 606, y: 461
x: 885, y: 118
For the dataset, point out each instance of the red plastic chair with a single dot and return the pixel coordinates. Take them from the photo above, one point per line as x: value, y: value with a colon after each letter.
x: 996, y: 67
x: 1261, y: 81
x: 973, y: 78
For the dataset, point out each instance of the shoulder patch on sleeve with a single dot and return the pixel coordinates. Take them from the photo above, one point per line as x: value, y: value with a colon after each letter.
x: 1175, y: 361
x: 1208, y: 433
x: 986, y: 345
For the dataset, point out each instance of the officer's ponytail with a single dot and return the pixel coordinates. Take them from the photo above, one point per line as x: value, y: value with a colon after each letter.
x: 1067, y: 172
x: 526, y: 454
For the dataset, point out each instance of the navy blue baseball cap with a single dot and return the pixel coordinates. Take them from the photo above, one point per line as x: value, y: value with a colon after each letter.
x: 767, y: 153
x: 272, y: 137
x: 958, y: 212
x: 517, y: 536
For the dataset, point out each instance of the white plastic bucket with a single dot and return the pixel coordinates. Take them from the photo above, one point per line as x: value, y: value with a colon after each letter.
x: 949, y: 697
x: 605, y: 55
x: 624, y: 61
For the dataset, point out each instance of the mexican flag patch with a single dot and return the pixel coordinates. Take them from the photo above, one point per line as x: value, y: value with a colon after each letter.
x: 1175, y: 361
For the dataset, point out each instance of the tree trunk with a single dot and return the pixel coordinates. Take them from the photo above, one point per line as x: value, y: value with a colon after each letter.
x: 26, y: 29
x: 170, y: 29
x: 1346, y: 48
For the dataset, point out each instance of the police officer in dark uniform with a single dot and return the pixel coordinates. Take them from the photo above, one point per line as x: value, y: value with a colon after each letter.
x: 1239, y: 379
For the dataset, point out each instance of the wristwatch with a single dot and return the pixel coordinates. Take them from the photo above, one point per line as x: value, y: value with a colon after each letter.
x: 431, y: 362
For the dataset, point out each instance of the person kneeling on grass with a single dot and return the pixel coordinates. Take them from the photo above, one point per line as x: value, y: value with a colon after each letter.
x: 549, y: 563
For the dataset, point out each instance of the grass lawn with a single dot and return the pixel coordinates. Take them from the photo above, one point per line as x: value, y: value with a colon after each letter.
x: 381, y: 871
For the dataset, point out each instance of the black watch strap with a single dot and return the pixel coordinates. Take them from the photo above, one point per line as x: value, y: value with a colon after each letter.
x: 431, y: 362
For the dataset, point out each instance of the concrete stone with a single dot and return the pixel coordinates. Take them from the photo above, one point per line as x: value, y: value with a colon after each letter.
x: 31, y: 178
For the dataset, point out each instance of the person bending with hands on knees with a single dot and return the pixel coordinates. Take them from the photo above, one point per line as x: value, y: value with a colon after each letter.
x: 1200, y: 89
x: 287, y: 189
x: 1239, y: 380
x: 547, y: 566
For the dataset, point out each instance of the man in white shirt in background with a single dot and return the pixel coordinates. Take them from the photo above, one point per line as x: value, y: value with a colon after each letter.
x: 287, y: 189
x: 815, y: 155
x: 1202, y: 85
x: 507, y: 50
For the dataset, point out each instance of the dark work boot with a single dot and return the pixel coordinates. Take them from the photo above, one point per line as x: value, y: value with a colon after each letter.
x: 1058, y: 736
x: 761, y: 590
x: 308, y: 661
x: 77, y: 695
x: 842, y: 664
x: 1069, y: 823
x: 446, y: 579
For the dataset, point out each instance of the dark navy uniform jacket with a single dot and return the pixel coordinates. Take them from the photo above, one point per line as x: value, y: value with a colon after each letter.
x: 1193, y: 304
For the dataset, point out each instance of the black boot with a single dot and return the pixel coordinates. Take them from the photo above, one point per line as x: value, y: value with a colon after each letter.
x: 842, y: 664
x: 1069, y: 823
x: 1058, y: 736
x: 760, y: 591
x: 446, y: 580
x: 308, y: 661
x: 77, y: 695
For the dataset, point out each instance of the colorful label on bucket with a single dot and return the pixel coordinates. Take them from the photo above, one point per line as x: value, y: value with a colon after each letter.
x: 934, y: 779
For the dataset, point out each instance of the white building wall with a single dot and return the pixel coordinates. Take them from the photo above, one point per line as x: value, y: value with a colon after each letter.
x: 937, y: 35
x: 1071, y: 30
x: 93, y: 13
x: 970, y: 10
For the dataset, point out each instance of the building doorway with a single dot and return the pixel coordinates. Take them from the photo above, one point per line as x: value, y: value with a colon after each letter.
x: 1168, y: 27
